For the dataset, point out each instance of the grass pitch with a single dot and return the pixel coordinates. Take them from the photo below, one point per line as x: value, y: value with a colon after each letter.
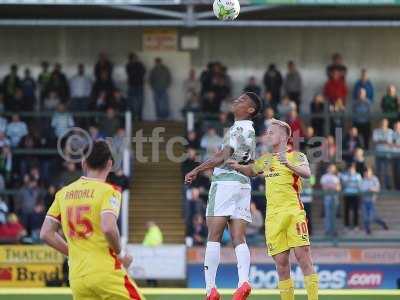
x: 198, y: 294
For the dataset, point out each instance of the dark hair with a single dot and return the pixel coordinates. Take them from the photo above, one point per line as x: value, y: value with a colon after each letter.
x: 99, y: 156
x: 258, y: 105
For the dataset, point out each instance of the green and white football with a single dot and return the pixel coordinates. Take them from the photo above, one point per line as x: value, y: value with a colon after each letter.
x: 226, y: 9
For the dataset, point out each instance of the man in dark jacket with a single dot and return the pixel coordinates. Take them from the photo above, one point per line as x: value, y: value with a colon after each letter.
x: 160, y: 81
x: 135, y: 72
x: 273, y: 82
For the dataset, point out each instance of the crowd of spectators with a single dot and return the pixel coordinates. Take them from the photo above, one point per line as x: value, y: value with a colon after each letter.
x: 28, y: 167
x: 349, y: 174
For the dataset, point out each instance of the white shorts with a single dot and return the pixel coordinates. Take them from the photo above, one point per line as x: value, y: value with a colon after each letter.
x: 229, y: 199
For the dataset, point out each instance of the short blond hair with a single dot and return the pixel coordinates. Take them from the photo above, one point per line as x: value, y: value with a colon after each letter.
x: 283, y: 125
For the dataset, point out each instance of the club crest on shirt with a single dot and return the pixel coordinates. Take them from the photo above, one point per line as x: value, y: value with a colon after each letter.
x: 113, y: 202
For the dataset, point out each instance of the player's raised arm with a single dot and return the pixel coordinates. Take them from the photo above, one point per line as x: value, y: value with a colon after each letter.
x: 51, y: 236
x: 299, y: 166
x: 216, y: 160
x: 247, y: 170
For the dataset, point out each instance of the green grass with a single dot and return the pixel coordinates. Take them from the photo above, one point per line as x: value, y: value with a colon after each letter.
x: 196, y: 294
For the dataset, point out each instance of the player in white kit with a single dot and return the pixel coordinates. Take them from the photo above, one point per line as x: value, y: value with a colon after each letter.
x: 230, y: 195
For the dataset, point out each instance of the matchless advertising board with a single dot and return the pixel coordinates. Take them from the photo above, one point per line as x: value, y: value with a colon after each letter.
x: 29, y: 266
x: 338, y: 268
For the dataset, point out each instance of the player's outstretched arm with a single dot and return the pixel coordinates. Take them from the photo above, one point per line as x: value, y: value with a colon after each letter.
x: 49, y: 234
x: 216, y: 160
x: 302, y: 169
x: 110, y: 229
x: 247, y: 170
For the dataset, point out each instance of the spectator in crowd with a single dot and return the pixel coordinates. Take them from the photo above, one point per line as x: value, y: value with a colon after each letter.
x: 306, y: 197
x: 330, y: 184
x: 69, y: 174
x: 19, y: 102
x: 16, y: 130
x: 2, y: 103
x: 206, y: 78
x: 293, y: 84
x: 370, y: 187
x: 160, y: 80
x: 335, y: 88
x: 361, y: 116
x: 192, y: 104
x: 61, y: 121
x: 351, y: 183
x: 11, y: 83
x: 273, y: 82
x: 3, y: 124
x: 44, y: 80
x: 337, y: 65
x: 12, y: 231
x: 3, y: 211
x: 269, y: 115
x: 194, y: 204
x: 135, y: 71
x: 102, y: 87
x: 396, y: 155
x: 221, y: 88
x: 51, y: 101
x: 253, y: 229
x: 198, y: 231
x: 351, y: 142
x: 210, y: 142
x: 383, y: 139
x: 193, y: 140
x: 209, y: 103
x: 28, y: 143
x: 153, y: 236
x: 119, y: 179
x: 359, y: 161
x: 309, y: 141
x: 6, y: 162
x: 59, y: 83
x: 295, y: 123
x: 268, y: 101
x: 252, y: 86
x: 118, y: 101
x: 317, y: 106
x: 95, y: 133
x: 28, y: 87
x: 35, y: 221
x: 81, y: 87
x: 390, y: 104
x: 103, y: 67
x: 191, y: 85
x: 366, y: 84
x: 337, y: 121
x: 26, y: 199
x: 190, y: 162
x: 49, y: 196
x: 4, y: 141
x: 285, y: 107
x: 110, y: 123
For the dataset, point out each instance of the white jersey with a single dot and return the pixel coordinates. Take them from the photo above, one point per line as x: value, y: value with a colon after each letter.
x: 242, y: 139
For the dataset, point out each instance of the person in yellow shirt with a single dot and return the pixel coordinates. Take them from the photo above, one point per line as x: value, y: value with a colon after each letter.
x: 87, y: 211
x: 286, y: 223
x: 153, y: 236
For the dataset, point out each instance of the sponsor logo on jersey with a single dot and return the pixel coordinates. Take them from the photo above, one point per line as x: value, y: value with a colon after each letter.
x: 114, y: 202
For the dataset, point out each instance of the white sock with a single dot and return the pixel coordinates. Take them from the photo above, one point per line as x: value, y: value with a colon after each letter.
x: 211, y: 262
x: 243, y: 259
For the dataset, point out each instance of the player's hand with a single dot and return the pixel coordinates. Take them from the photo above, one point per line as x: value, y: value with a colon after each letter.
x: 283, y: 158
x: 126, y: 261
x: 233, y: 164
x: 191, y: 176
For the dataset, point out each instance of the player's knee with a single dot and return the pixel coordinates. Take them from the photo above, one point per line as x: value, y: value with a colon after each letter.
x: 238, y: 239
x: 214, y: 236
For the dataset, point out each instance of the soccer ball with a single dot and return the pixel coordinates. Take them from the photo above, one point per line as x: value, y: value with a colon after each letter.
x: 226, y: 9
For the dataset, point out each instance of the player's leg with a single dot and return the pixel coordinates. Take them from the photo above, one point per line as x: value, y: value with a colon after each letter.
x: 303, y: 256
x: 216, y: 227
x: 116, y: 285
x: 81, y: 289
x: 237, y: 228
x: 298, y: 238
x: 286, y: 285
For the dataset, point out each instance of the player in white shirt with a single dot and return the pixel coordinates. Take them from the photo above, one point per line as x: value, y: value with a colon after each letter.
x: 230, y: 195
